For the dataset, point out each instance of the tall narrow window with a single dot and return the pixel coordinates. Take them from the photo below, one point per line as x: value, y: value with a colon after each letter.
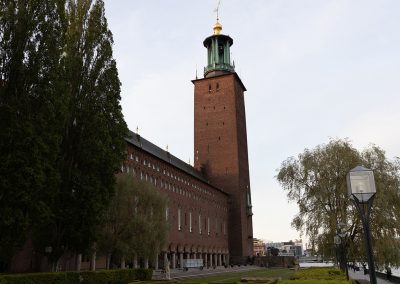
x: 208, y: 225
x: 190, y: 221
x: 199, y: 224
x: 166, y: 213
x: 179, y: 219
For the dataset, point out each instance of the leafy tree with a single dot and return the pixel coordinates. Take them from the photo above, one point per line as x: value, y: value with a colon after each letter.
x: 31, y: 112
x: 94, y: 131
x: 316, y: 181
x: 135, y: 221
x: 273, y: 251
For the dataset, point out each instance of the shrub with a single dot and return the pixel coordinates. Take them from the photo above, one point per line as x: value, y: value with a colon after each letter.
x: 118, y: 276
x: 315, y: 281
x: 43, y: 278
x: 319, y: 273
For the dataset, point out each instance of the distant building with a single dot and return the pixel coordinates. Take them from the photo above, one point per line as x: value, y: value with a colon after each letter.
x: 290, y: 248
x: 258, y: 247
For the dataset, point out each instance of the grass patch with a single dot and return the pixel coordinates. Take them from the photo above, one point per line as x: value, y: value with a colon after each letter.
x: 318, y: 275
x: 233, y: 277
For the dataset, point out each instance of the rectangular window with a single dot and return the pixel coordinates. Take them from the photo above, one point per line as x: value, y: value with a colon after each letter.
x: 208, y: 225
x: 190, y: 221
x: 179, y: 219
x: 199, y: 224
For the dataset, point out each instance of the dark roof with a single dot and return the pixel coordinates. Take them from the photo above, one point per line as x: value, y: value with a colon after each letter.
x: 138, y: 141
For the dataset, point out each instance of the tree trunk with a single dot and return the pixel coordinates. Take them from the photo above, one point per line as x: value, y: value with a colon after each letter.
x: 123, y: 262
x: 108, y: 260
x: 146, y: 262
x: 78, y: 262
x: 93, y: 261
x: 135, y: 261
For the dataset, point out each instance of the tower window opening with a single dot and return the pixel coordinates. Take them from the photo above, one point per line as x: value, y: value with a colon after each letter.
x: 209, y: 88
x: 217, y: 87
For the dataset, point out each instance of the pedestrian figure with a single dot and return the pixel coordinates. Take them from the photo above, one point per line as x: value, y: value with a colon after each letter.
x: 388, y: 272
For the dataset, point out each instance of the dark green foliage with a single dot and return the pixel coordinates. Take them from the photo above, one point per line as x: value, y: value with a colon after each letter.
x: 43, y: 278
x: 316, y: 181
x: 120, y: 276
x: 92, y: 146
x: 135, y: 222
x: 62, y: 129
x: 31, y: 108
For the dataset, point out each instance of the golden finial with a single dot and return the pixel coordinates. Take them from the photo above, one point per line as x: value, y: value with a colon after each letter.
x: 217, y: 27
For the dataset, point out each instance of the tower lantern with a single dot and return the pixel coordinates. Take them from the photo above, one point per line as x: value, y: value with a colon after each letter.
x: 218, y: 53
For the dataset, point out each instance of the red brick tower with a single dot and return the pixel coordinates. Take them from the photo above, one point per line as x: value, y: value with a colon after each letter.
x: 220, y: 139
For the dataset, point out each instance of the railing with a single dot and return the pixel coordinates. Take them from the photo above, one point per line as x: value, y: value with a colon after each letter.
x: 219, y: 66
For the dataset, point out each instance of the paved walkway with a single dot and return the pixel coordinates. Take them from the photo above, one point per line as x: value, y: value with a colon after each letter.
x: 360, y: 275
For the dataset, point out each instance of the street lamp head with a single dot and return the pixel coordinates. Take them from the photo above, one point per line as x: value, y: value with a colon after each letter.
x: 361, y: 184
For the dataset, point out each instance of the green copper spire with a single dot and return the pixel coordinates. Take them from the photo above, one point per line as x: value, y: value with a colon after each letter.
x: 218, y: 53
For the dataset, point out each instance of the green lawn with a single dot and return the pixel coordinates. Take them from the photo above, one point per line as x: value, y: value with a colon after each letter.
x: 231, y: 277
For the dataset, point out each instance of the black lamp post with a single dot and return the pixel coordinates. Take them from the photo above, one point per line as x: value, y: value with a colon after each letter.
x: 361, y: 188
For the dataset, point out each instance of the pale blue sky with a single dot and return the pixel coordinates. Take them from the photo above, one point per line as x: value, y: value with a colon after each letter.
x: 313, y: 69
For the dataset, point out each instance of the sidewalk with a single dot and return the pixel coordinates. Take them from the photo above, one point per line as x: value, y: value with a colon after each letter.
x: 360, y: 275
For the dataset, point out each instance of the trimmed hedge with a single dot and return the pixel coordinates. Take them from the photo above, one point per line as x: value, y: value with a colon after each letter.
x: 315, y: 281
x: 317, y: 275
x: 117, y: 276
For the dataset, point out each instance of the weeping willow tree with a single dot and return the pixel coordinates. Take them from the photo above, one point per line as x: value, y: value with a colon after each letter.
x: 316, y: 181
x: 136, y: 224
